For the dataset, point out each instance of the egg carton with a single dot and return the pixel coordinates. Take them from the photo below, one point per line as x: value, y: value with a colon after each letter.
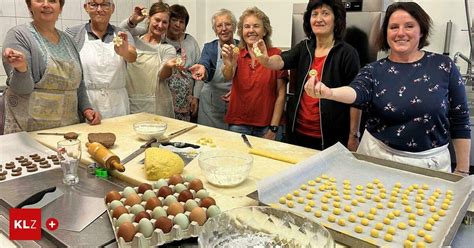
x: 158, y: 237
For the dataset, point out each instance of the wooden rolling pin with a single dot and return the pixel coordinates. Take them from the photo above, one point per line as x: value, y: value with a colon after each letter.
x: 104, y: 156
x: 272, y: 155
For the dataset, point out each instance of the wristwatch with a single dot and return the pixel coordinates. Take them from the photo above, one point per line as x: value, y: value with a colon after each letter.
x: 273, y: 128
x: 355, y: 134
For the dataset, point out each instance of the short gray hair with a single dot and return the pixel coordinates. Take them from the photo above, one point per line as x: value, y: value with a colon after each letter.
x: 223, y: 12
x: 88, y: 1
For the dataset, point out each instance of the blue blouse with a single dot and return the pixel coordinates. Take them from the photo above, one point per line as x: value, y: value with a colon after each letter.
x: 414, y: 106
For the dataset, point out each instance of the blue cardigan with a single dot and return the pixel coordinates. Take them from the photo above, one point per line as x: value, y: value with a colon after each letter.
x: 209, y: 57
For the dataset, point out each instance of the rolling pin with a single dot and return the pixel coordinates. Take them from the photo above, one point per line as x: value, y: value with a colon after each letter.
x: 104, y: 156
x: 272, y: 155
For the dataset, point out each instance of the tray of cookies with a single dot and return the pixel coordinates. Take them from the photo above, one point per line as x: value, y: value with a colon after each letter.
x: 159, y: 213
x: 381, y: 204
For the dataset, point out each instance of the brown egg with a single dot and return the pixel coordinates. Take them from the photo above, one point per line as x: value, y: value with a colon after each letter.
x: 164, y: 224
x: 175, y: 208
x: 175, y: 179
x: 112, y: 195
x: 199, y: 215
x: 185, y: 195
x: 126, y: 231
x: 196, y: 185
x: 119, y: 211
x: 144, y: 187
x: 207, y: 202
x: 152, y: 203
x: 133, y: 199
x: 165, y: 191
x: 141, y: 215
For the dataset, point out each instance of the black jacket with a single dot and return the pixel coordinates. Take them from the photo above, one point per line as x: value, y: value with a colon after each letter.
x: 340, y: 68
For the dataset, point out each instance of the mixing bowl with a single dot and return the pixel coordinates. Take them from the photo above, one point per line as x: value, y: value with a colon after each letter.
x: 147, y: 130
x: 223, y: 167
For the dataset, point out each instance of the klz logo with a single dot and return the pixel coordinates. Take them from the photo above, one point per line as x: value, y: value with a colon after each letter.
x: 25, y: 224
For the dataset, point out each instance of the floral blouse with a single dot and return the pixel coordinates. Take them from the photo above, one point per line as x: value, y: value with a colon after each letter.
x: 414, y: 106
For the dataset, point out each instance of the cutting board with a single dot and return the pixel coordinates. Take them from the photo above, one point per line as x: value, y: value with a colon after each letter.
x: 127, y: 142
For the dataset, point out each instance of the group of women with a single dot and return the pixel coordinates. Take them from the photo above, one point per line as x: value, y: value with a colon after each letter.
x: 415, y: 99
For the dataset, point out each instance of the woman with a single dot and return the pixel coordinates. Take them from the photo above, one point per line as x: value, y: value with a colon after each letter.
x: 147, y: 88
x: 104, y: 61
x: 416, y: 99
x: 258, y: 94
x: 45, y: 86
x: 313, y: 123
x: 211, y: 106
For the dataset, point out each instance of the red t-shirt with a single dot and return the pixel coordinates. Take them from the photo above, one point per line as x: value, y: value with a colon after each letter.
x: 253, y: 92
x: 308, y: 119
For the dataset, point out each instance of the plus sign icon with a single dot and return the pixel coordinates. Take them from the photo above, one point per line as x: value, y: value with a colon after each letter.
x: 52, y: 224
x: 25, y: 224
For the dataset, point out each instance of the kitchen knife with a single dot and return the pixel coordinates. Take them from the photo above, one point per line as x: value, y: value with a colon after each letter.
x: 180, y: 144
x: 246, y: 140
x: 170, y: 136
x: 138, y: 151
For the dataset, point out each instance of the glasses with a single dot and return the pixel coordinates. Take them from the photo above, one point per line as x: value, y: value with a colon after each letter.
x: 104, y: 6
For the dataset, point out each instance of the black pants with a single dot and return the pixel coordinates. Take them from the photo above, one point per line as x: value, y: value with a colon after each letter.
x: 300, y: 139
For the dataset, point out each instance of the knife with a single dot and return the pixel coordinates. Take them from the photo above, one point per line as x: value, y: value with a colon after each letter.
x: 138, y: 151
x: 246, y: 140
x: 170, y: 136
x: 181, y: 144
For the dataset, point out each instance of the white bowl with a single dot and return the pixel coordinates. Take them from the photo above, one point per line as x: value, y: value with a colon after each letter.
x: 223, y: 167
x: 147, y: 130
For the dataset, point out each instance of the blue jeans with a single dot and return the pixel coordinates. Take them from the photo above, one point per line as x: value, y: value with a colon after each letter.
x: 256, y: 131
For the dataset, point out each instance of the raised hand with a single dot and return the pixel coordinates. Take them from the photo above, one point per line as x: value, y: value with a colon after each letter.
x: 138, y: 15
x: 260, y: 51
x: 15, y: 59
x: 316, y: 89
x: 121, y: 43
x: 229, y: 57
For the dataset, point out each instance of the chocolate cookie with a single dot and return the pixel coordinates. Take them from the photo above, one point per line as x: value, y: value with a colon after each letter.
x: 32, y: 169
x: 15, y: 174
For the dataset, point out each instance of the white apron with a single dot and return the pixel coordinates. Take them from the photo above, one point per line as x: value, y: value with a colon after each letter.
x: 437, y: 158
x: 212, y: 108
x: 53, y: 102
x: 104, y: 75
x: 144, y: 85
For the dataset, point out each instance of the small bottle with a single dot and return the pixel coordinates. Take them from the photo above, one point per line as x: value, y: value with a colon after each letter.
x: 104, y: 156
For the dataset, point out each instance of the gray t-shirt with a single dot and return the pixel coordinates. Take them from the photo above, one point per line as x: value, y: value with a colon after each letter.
x: 78, y: 34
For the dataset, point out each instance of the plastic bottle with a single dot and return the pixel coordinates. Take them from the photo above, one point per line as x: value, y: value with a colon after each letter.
x: 104, y: 156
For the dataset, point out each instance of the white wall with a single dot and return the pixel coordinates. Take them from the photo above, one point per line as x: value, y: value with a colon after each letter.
x: 14, y: 12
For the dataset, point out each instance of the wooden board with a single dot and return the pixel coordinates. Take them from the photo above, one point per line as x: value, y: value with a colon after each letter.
x: 127, y: 142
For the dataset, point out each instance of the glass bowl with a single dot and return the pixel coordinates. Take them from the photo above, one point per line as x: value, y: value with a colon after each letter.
x: 223, y: 167
x: 263, y: 227
x: 147, y: 130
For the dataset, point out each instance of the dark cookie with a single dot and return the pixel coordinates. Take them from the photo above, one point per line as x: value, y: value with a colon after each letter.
x: 44, y: 166
x: 32, y: 169
x: 3, y: 173
x: 56, y: 162
x: 9, y: 166
x: 26, y: 163
x: 31, y: 166
x: 19, y: 158
x: 2, y: 177
x: 17, y: 169
x: 33, y: 155
x: 15, y: 174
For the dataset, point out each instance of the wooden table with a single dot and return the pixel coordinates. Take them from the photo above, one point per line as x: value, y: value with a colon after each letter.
x: 127, y: 142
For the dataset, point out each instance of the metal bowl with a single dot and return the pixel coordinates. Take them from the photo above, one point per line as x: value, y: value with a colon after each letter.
x: 223, y: 167
x: 147, y: 130
x: 263, y: 227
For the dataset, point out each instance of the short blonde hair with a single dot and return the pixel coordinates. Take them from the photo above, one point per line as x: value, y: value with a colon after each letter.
x: 254, y: 11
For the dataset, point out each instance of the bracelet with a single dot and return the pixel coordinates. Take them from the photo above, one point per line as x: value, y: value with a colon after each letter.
x: 130, y: 23
x: 461, y: 171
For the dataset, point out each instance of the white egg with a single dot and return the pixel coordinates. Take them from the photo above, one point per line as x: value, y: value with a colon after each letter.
x: 124, y: 218
x: 181, y: 220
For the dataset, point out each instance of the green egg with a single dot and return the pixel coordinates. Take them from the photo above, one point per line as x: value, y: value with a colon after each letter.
x: 145, y: 227
x: 148, y: 194
x: 170, y: 199
x: 159, y: 183
x: 137, y: 208
x: 190, y: 205
x: 128, y: 191
x: 202, y: 194
x: 115, y: 203
x: 179, y: 187
x: 124, y: 218
x: 158, y: 212
x: 181, y: 220
x: 213, y: 211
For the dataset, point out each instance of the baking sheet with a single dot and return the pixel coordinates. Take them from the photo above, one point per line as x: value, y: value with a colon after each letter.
x: 22, y: 144
x: 338, y: 162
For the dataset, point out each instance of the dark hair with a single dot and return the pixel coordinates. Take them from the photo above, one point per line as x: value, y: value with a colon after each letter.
x: 61, y: 3
x: 159, y: 7
x: 339, y: 17
x: 180, y: 12
x: 254, y: 11
x: 416, y: 12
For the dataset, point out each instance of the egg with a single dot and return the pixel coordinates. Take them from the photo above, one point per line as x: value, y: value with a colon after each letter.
x: 112, y: 195
x: 119, y: 211
x: 213, y: 211
x: 164, y: 224
x: 196, y: 185
x: 128, y: 191
x: 114, y: 204
x: 175, y: 179
x: 148, y: 194
x: 181, y: 220
x: 133, y: 199
x: 144, y: 187
x: 201, y: 194
x: 188, y: 178
x: 137, y: 208
x: 158, y: 184
x: 152, y: 203
x: 126, y: 231
x: 141, y: 215
x: 199, y: 215
x: 190, y: 205
x: 145, y: 227
x: 178, y: 188
x: 175, y: 208
x: 158, y: 212
x: 124, y: 218
x: 207, y: 202
x: 185, y: 195
x: 170, y: 199
x: 165, y: 191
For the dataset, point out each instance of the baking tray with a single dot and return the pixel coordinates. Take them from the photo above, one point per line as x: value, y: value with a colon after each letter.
x: 359, y: 169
